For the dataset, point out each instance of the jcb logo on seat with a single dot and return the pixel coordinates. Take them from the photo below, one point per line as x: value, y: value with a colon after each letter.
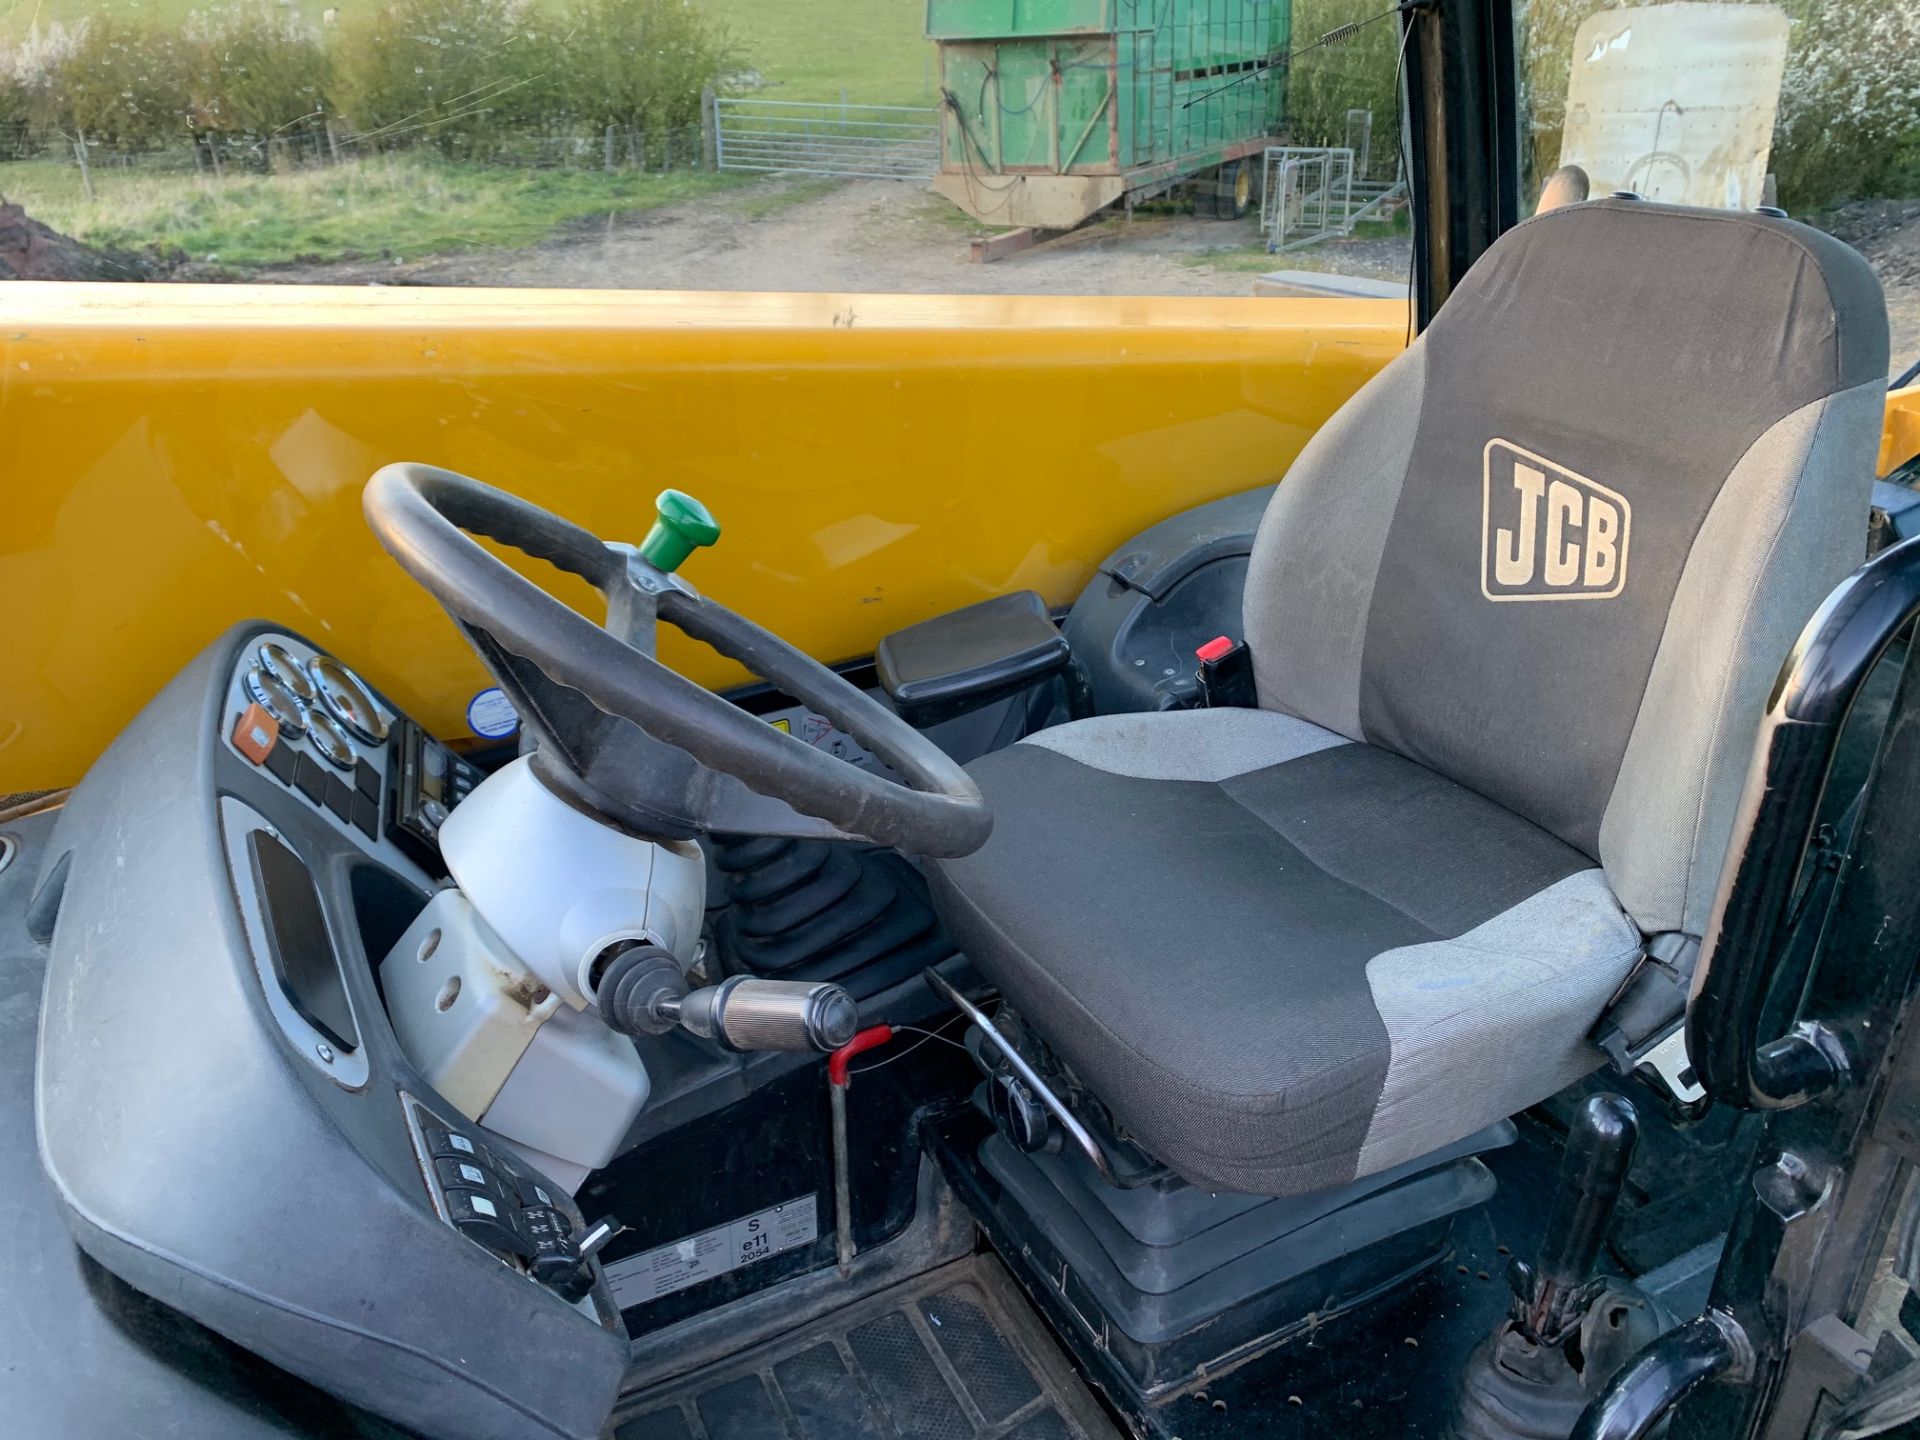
x: 1547, y: 533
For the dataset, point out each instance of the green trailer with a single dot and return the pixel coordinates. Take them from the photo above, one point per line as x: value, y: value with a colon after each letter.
x: 1052, y: 110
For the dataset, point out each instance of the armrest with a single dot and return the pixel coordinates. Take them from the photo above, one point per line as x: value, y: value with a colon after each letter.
x: 967, y: 658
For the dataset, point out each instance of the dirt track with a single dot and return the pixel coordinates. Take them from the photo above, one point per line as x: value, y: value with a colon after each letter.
x: 865, y: 235
x: 1887, y: 232
x: 889, y: 236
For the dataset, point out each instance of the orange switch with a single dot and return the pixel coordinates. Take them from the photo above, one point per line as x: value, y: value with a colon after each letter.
x: 255, y: 734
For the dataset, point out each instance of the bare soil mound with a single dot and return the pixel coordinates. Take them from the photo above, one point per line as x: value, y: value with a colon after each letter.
x: 32, y: 251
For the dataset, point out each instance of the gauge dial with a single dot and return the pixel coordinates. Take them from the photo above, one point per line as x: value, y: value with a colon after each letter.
x: 278, y: 701
x: 329, y: 741
x: 279, y: 662
x: 347, y: 700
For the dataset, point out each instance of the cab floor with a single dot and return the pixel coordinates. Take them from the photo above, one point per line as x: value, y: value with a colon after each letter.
x: 956, y: 1354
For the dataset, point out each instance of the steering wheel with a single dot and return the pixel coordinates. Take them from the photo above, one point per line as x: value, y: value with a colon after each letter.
x: 649, y: 750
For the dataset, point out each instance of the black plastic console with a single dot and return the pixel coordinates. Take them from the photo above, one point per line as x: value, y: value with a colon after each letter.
x: 1158, y: 598
x: 1128, y: 644
x: 225, y: 1116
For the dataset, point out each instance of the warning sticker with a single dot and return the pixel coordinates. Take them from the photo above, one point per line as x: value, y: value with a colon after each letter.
x: 491, y: 715
x: 667, y: 1268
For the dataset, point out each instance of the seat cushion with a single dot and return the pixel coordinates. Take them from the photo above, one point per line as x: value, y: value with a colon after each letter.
x: 1284, y: 959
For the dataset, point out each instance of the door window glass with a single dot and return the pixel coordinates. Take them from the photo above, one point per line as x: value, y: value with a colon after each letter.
x: 1809, y: 105
x: 1165, y: 147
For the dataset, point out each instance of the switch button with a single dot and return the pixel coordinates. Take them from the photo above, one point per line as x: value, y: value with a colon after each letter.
x: 255, y: 733
x: 449, y: 1143
x: 468, y: 1174
x: 555, y: 1262
x: 485, y: 1218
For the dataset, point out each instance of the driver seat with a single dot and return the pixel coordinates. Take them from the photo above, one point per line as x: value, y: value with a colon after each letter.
x: 1514, y: 615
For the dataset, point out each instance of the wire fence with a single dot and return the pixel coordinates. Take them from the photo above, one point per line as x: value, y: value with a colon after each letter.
x: 319, y: 144
x: 776, y: 137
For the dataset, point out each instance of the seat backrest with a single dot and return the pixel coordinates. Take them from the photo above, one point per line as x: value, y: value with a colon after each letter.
x: 1559, y: 548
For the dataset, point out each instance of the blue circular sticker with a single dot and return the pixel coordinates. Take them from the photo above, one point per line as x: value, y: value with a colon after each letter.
x: 491, y: 715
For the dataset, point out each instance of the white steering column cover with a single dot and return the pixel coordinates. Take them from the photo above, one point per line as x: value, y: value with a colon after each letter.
x: 501, y: 1048
x: 558, y: 887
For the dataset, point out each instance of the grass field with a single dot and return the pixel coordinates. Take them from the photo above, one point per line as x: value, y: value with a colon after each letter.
x: 405, y: 206
x: 872, y: 51
x: 17, y: 16
x: 875, y: 51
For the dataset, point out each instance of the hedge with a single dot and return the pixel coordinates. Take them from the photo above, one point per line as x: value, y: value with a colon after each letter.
x: 463, y: 75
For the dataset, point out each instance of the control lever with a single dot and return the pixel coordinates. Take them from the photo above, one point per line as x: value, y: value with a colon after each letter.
x: 839, y: 1077
x: 642, y: 991
x: 1570, y: 1329
x: 1056, y: 1107
x: 1550, y: 1297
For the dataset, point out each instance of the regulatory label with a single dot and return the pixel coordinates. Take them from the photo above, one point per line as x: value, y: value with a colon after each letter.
x: 821, y: 733
x: 760, y: 1236
x: 491, y: 715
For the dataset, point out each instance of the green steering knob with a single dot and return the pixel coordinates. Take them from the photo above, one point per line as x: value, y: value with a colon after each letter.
x: 683, y: 527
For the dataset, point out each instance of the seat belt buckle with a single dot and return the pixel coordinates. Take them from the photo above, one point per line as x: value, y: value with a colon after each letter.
x: 1643, y: 1030
x: 1225, y: 676
x: 1668, y: 1069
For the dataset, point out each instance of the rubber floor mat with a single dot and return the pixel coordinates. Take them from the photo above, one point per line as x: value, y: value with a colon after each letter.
x: 954, y: 1355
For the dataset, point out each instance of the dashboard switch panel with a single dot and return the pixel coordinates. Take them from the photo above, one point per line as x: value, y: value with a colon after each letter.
x: 502, y: 1205
x: 483, y: 1217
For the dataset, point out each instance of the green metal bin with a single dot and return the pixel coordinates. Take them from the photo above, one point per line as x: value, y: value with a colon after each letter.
x: 1054, y: 109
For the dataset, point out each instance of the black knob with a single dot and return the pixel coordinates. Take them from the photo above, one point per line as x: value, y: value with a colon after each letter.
x: 639, y: 988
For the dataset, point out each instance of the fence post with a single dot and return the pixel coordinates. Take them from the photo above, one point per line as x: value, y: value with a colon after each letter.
x: 333, y: 139
x: 709, y: 129
x: 80, y: 152
x: 608, y: 165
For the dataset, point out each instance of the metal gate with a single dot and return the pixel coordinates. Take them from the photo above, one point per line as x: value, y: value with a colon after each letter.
x: 1312, y: 193
x: 1305, y: 195
x: 800, y: 137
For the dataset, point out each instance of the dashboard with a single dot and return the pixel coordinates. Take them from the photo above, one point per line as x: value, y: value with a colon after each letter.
x: 319, y: 729
x: 225, y: 1114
